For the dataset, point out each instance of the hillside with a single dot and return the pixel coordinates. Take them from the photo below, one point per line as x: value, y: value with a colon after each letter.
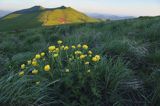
x: 39, y: 16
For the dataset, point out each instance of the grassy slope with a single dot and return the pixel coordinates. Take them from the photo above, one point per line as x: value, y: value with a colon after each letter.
x: 43, y: 18
x: 136, y: 41
x: 19, y: 21
x: 69, y: 15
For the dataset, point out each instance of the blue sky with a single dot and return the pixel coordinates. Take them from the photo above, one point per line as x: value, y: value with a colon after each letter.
x: 117, y: 7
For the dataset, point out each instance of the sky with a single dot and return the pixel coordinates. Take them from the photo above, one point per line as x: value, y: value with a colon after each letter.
x: 116, y: 7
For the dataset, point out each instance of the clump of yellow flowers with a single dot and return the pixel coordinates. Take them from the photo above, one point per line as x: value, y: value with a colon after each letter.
x: 60, y: 57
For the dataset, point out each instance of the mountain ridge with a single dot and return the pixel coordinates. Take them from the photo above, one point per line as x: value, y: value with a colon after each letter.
x: 109, y: 16
x: 38, y: 16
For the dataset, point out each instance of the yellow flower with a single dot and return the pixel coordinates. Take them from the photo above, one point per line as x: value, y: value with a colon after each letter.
x: 78, y: 52
x: 86, y: 63
x: 34, y: 63
x: 79, y: 45
x: 34, y: 59
x: 55, y: 55
x: 59, y: 42
x: 38, y: 82
x: 66, y: 48
x: 57, y: 50
x: 34, y: 71
x: 23, y: 66
x: 85, y: 47
x: 47, y: 67
x: 96, y: 58
x: 21, y: 73
x: 90, y: 55
x: 38, y: 56
x: 29, y: 62
x: 62, y: 47
x: 88, y: 71
x: 82, y: 56
x: 73, y: 47
x: 42, y: 54
x: 67, y: 70
x: 51, y: 48
x: 89, y: 52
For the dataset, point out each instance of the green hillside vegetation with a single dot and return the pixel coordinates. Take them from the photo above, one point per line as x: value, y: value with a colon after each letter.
x: 127, y: 74
x: 38, y: 16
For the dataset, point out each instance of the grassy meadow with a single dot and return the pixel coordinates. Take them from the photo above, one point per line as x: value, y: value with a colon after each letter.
x: 112, y: 63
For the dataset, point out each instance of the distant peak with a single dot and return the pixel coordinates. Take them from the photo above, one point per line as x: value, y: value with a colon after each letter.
x: 63, y: 7
x: 37, y: 7
x: 30, y: 10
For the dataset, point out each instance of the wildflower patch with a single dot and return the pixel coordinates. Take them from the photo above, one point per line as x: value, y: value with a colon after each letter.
x: 60, y: 59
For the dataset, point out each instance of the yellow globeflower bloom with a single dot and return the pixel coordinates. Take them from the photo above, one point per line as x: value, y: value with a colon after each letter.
x: 73, y: 47
x: 79, y: 45
x: 29, y: 62
x: 90, y: 55
x: 98, y: 57
x: 78, y: 52
x: 66, y: 48
x: 82, y: 56
x: 51, y: 48
x: 23, y: 66
x: 21, y: 73
x: 38, y: 56
x: 90, y: 52
x: 34, y: 71
x: 86, y: 63
x: 59, y: 42
x: 38, y: 82
x: 55, y: 55
x: 62, y: 47
x: 85, y: 47
x: 42, y: 54
x: 94, y: 59
x: 47, y: 68
x: 57, y: 49
x: 34, y: 63
x: 34, y: 59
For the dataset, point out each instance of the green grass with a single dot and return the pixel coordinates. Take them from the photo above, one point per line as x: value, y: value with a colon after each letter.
x: 130, y: 49
x: 20, y: 21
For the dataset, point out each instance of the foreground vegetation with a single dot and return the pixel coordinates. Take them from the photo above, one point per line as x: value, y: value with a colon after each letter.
x: 126, y: 71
